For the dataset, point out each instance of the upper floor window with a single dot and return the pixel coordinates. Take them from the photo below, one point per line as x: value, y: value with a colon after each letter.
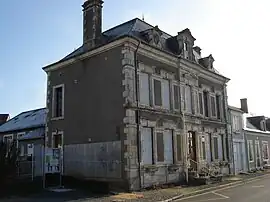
x: 176, y: 97
x: 236, y: 123
x: 205, y: 101
x: 218, y: 104
x: 201, y: 103
x: 213, y: 106
x: 144, y: 88
x: 58, y: 101
x: 161, y: 93
x: 188, y: 97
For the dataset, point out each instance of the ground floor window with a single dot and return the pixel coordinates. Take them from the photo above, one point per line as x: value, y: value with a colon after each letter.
x: 215, y: 147
x: 147, y: 146
x: 179, y: 147
x: 265, y: 150
x: 203, y: 148
x: 250, y: 151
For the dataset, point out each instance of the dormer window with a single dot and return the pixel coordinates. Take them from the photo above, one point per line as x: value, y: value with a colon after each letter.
x: 186, y: 42
x: 185, y: 46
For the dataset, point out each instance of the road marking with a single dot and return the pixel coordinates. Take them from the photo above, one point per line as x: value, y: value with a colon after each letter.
x: 224, y: 188
x: 258, y: 186
x: 221, y: 195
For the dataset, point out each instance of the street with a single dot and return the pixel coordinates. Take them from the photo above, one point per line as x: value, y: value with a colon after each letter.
x: 257, y: 190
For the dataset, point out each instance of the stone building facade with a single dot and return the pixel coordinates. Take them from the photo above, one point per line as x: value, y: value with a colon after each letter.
x: 137, y: 106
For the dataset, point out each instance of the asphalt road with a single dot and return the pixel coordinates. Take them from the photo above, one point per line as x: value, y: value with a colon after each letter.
x: 254, y: 191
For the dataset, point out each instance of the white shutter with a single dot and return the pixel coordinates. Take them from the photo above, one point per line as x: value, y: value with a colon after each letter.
x: 146, y: 146
x: 144, y: 88
x: 168, y: 147
x: 166, y: 94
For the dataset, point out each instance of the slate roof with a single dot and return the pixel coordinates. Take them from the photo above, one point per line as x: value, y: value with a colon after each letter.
x: 34, y: 134
x: 25, y: 120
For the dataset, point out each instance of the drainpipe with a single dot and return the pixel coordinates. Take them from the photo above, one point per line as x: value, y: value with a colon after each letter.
x: 230, y: 144
x: 137, y: 112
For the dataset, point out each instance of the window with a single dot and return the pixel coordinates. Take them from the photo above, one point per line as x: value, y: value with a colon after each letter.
x: 144, y: 88
x: 200, y: 103
x: 157, y: 92
x: 205, y: 101
x: 168, y: 147
x: 218, y: 102
x: 166, y: 94
x: 203, y: 148
x: 265, y: 150
x: 147, y: 146
x: 58, y: 101
x: 185, y: 46
x: 176, y: 97
x: 21, y: 149
x: 213, y: 106
x: 196, y: 100
x: 188, y: 99
x: 250, y: 151
x: 160, y: 147
x: 161, y: 93
x: 179, y: 147
x: 57, y: 140
x: 8, y: 139
x: 211, y: 146
x: 215, y: 145
x: 223, y: 147
x: 183, y: 99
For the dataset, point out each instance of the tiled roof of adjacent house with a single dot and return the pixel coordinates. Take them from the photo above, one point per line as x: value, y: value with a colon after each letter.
x: 30, y: 119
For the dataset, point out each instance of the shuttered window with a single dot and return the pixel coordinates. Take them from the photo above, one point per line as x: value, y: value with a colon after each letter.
x: 176, y: 97
x: 157, y: 93
x: 213, y: 106
x: 179, y: 147
x: 160, y: 147
x: 168, y: 147
x: 215, y: 145
x: 144, y: 88
x: 200, y: 103
x: 203, y: 148
x: 166, y: 94
x: 188, y: 99
x: 146, y: 146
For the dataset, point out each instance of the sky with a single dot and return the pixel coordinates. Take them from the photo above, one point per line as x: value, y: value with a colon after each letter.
x: 37, y: 33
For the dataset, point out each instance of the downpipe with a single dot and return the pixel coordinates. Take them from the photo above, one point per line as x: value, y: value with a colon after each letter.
x: 137, y: 113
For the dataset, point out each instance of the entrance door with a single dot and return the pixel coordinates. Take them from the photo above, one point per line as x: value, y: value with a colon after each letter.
x: 192, y: 150
x: 257, y: 154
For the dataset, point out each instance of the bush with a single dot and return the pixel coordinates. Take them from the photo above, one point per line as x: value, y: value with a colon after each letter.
x: 8, y: 163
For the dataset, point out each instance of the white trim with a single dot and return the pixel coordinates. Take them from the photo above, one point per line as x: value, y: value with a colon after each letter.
x: 10, y: 135
x: 252, y: 154
x: 57, y: 133
x: 267, y: 144
x: 53, y: 101
x: 18, y: 135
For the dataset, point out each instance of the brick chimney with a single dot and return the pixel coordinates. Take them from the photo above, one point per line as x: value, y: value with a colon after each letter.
x: 92, y: 23
x: 244, y: 105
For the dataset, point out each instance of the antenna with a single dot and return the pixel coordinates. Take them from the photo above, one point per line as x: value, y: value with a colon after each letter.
x: 143, y: 17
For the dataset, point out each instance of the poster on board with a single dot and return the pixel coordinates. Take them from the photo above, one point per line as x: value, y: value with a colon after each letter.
x: 53, y: 160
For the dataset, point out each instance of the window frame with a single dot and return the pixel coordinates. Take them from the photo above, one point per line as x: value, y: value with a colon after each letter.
x: 54, y: 117
x: 199, y: 104
x: 265, y: 143
x: 179, y: 96
x: 161, y: 80
x: 211, y: 96
x: 62, y: 139
x: 252, y: 151
x: 191, y: 98
x: 149, y: 84
x: 152, y: 144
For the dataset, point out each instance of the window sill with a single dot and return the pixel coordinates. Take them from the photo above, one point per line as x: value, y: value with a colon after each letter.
x: 57, y: 118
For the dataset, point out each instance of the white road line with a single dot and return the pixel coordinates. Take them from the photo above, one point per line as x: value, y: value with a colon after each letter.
x: 221, y: 195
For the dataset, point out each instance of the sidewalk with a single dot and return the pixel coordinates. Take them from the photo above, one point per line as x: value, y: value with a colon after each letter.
x: 167, y: 194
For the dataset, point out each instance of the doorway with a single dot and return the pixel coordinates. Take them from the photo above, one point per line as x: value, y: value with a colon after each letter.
x: 257, y: 154
x: 192, y: 150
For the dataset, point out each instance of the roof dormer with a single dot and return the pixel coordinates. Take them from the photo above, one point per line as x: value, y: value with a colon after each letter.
x: 207, y: 62
x: 186, y: 43
x: 154, y: 36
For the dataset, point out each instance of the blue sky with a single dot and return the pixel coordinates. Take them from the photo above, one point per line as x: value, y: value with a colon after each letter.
x: 37, y: 33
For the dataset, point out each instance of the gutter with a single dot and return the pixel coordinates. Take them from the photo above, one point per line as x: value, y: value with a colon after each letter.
x: 137, y: 113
